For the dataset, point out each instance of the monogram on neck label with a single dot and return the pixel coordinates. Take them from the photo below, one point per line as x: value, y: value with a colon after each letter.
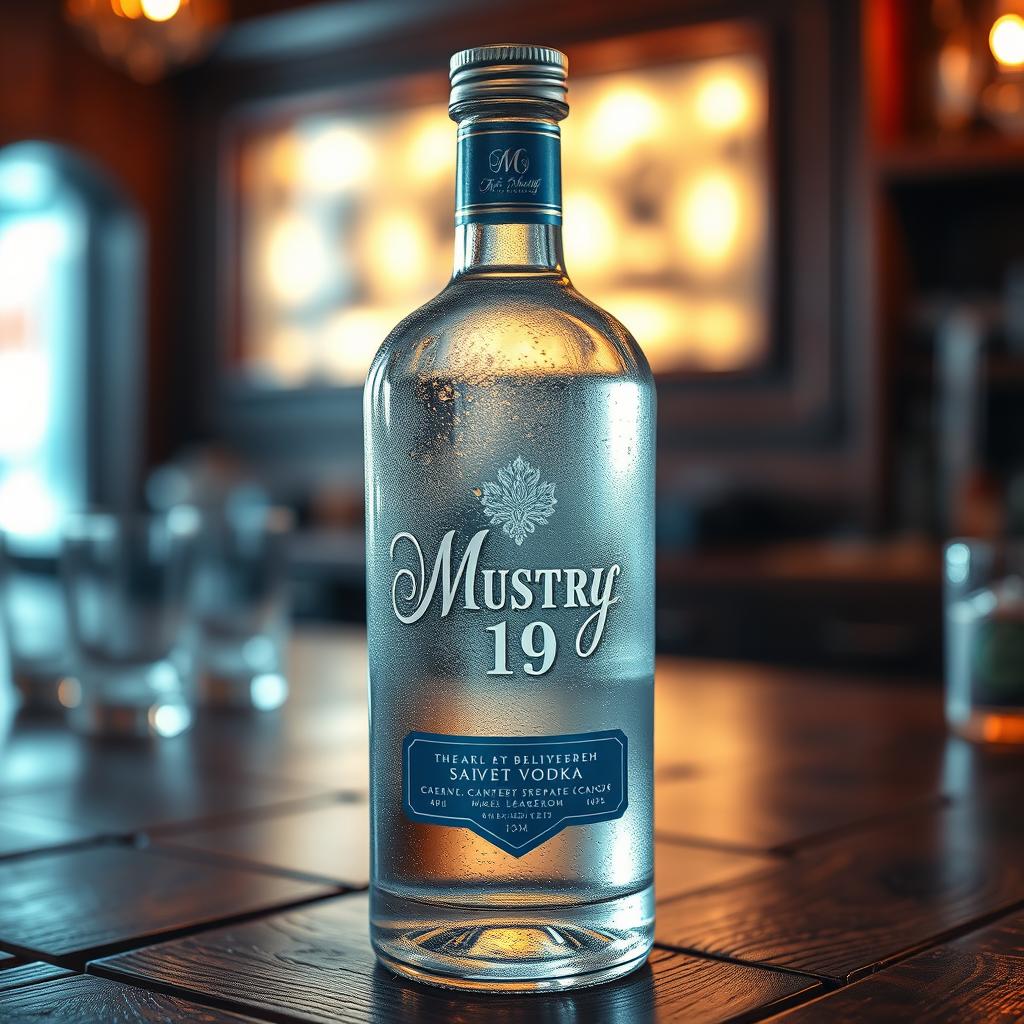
x: 509, y: 173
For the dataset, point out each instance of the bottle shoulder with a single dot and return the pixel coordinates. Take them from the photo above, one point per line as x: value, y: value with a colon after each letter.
x: 509, y: 325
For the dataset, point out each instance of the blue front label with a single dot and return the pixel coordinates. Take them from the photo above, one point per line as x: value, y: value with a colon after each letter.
x: 509, y: 173
x: 515, y: 791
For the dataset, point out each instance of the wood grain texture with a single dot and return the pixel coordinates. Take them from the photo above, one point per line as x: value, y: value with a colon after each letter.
x: 329, y: 842
x: 315, y: 964
x: 84, y: 1000
x: 681, y: 869
x: 39, y: 752
x: 320, y: 738
x: 25, y: 833
x: 849, y: 907
x: 129, y: 790
x: 712, y: 715
x: 977, y: 977
x: 746, y: 808
x: 30, y: 974
x: 760, y: 759
x: 64, y: 904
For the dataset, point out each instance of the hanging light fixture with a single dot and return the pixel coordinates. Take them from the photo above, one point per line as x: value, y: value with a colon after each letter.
x: 147, y: 38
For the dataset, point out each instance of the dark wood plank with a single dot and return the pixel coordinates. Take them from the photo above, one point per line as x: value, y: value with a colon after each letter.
x: 721, y: 714
x: 128, y: 790
x: 320, y: 736
x: 331, y: 841
x: 762, y: 759
x: 25, y: 833
x: 780, y: 809
x: 318, y: 742
x: 977, y: 977
x: 65, y: 904
x: 851, y: 906
x: 680, y: 869
x: 38, y: 753
x: 315, y: 964
x: 85, y: 1000
x: 30, y: 974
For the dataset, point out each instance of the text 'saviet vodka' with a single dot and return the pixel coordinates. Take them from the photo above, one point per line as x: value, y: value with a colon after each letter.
x: 510, y: 574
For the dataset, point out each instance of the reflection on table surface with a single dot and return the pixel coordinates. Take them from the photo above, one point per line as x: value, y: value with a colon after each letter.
x: 811, y: 830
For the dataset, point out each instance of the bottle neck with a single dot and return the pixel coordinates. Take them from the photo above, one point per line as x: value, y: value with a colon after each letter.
x: 508, y: 196
x: 508, y: 248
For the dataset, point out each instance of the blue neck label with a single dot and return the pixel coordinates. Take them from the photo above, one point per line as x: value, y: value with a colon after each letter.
x: 509, y: 172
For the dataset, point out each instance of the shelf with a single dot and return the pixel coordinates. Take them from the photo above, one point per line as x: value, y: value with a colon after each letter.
x: 960, y: 157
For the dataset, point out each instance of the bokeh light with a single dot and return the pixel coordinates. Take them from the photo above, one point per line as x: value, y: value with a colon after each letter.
x: 710, y: 219
x: 350, y: 221
x: 336, y: 158
x: 160, y: 10
x: 297, y: 260
x: 725, y: 102
x: 430, y: 152
x: 627, y: 114
x: 398, y: 247
x: 1006, y: 40
x: 591, y: 231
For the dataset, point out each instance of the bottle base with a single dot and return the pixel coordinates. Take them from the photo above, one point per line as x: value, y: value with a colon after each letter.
x: 506, y: 949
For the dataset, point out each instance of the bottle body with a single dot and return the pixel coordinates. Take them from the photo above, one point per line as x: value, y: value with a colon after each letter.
x: 509, y: 438
x: 509, y: 434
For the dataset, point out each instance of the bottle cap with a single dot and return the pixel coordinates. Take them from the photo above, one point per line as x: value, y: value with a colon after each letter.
x: 508, y: 71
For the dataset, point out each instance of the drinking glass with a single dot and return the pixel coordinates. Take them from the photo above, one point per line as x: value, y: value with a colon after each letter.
x: 984, y: 605
x: 241, y: 598
x: 128, y: 591
x: 34, y: 624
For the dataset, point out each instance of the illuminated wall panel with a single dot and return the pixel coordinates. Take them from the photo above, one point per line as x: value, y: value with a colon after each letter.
x: 345, y: 222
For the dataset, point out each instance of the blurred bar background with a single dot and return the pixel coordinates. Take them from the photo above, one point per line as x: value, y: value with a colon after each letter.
x: 807, y: 211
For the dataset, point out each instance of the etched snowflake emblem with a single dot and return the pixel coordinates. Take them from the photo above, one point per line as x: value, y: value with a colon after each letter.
x: 519, y: 502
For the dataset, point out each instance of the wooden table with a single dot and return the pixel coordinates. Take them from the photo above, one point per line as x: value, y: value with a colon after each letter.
x: 825, y: 853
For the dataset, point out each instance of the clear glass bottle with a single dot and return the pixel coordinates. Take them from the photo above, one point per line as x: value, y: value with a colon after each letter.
x: 509, y: 431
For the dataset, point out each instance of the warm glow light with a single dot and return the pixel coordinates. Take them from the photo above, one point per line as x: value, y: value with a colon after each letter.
x: 590, y: 232
x: 159, y: 10
x: 351, y: 339
x: 652, y: 319
x: 128, y: 8
x: 665, y: 224
x: 625, y: 116
x: 285, y: 357
x: 956, y: 71
x: 399, y: 247
x: 336, y: 158
x: 711, y: 219
x: 431, y: 149
x: 1006, y: 40
x: 724, y: 103
x: 274, y: 162
x: 722, y: 336
x: 69, y: 692
x: 296, y: 260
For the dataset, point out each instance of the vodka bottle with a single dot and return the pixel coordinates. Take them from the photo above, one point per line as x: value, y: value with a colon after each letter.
x: 509, y: 435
